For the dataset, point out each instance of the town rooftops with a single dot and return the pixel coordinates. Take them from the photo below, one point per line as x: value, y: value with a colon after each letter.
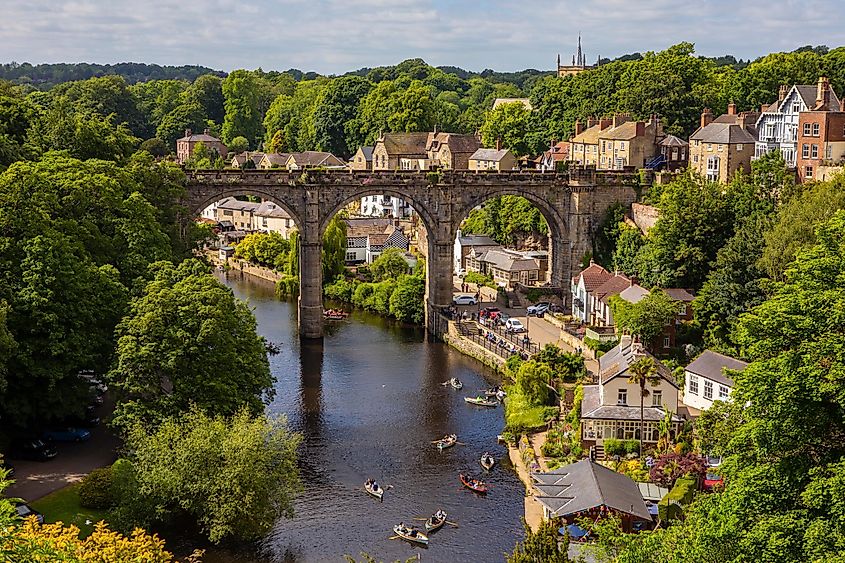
x: 617, y: 360
x: 194, y: 138
x: 628, y: 130
x: 315, y: 158
x: 809, y: 95
x: 613, y: 286
x: 365, y: 226
x: 634, y: 293
x: 405, y: 144
x: 279, y: 159
x: 712, y: 365
x: 507, y: 260
x: 501, y: 101
x: 678, y: 294
x: 726, y: 133
x: 270, y: 209
x: 590, y: 136
x: 594, y: 275
x: 238, y: 205
x: 586, y: 485
x: 367, y: 153
x: 476, y: 240
x: 458, y: 143
x: 489, y: 154
x: 673, y: 141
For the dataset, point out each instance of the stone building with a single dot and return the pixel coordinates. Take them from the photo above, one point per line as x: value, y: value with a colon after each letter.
x: 450, y: 151
x: 186, y: 145
x: 675, y: 153
x: 362, y: 159
x: 391, y: 148
x: 492, y: 159
x: 584, y: 145
x: 239, y: 213
x: 821, y: 135
x: 629, y: 143
x: 720, y: 147
x: 579, y: 63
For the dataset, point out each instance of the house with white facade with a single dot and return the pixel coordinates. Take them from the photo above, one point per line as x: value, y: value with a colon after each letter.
x: 465, y: 243
x: 385, y: 206
x: 706, y: 379
x: 777, y: 125
x: 611, y: 409
x: 367, y: 238
x: 601, y: 313
x: 582, y: 287
x: 271, y: 218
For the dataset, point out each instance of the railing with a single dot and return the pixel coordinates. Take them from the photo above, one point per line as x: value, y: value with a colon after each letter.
x: 496, y: 335
x: 469, y: 330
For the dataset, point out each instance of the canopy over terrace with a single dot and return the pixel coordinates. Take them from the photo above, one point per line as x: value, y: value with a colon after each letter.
x: 589, y: 489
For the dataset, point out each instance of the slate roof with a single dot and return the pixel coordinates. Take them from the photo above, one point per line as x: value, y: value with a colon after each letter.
x: 617, y: 360
x: 364, y: 226
x: 316, y: 158
x: 367, y: 152
x: 237, y: 205
x: 277, y: 159
x: 591, y: 408
x: 204, y: 137
x: 489, y: 154
x: 585, y: 485
x: 589, y: 136
x: 678, y: 294
x: 476, y: 240
x: 726, y: 133
x: 256, y: 157
x: 270, y: 209
x: 405, y: 144
x: 673, y: 141
x: 458, y: 143
x: 613, y: 286
x: 508, y: 261
x: 623, y: 132
x: 634, y: 293
x: 594, y: 276
x: 711, y: 365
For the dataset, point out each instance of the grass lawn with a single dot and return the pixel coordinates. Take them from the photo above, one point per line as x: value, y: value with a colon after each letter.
x: 63, y: 506
x: 519, y: 413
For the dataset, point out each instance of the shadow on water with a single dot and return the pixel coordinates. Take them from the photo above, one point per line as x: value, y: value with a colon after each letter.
x: 369, y: 401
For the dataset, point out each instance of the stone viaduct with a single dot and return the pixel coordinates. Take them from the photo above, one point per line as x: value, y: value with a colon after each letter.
x: 573, y: 204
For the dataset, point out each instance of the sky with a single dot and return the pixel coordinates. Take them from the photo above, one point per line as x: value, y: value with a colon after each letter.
x: 335, y: 36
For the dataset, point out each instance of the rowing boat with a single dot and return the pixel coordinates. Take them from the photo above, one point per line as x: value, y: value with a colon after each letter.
x: 410, y: 534
x: 475, y: 485
x: 456, y: 383
x: 446, y: 442
x: 481, y: 401
x: 435, y: 521
x: 373, y: 488
x: 492, y: 392
x: 335, y: 315
x: 487, y: 461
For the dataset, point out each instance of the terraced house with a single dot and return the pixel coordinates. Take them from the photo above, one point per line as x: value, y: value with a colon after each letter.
x: 629, y: 143
x: 720, y: 147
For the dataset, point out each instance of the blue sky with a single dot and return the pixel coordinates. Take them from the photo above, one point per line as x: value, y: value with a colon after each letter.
x: 333, y: 36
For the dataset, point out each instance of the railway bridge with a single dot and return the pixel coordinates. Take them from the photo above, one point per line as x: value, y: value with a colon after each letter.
x: 573, y: 204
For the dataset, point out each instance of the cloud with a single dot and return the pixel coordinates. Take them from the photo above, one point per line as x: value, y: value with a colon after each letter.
x: 333, y: 36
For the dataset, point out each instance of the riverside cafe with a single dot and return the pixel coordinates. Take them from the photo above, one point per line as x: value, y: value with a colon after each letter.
x: 589, y: 490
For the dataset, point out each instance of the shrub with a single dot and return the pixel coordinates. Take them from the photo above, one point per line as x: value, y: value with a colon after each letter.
x: 670, y: 467
x: 479, y: 279
x: 613, y: 447
x: 95, y: 491
x: 682, y: 493
x: 341, y: 290
x: 287, y: 287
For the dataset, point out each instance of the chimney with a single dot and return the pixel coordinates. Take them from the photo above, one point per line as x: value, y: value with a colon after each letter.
x: 579, y: 127
x: 763, y: 108
x: 782, y: 92
x: 706, y: 117
x: 591, y: 122
x: 620, y: 118
x: 498, y: 143
x: 742, y: 120
x: 640, y: 128
x: 823, y: 92
x: 731, y: 108
x: 604, y: 123
x: 206, y: 131
x: 188, y: 132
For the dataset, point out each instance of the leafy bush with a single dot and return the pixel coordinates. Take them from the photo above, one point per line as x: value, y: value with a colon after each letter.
x: 341, y: 290
x: 479, y: 279
x: 599, y: 346
x: 95, y: 491
x: 672, y: 466
x: 682, y: 493
x: 635, y: 469
x: 287, y: 287
x: 613, y: 447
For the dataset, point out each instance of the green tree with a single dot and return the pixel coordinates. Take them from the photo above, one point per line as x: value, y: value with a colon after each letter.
x: 567, y: 366
x: 532, y: 380
x: 647, y: 318
x: 182, y: 117
x: 336, y: 106
x: 155, y: 147
x: 389, y: 264
x: 83, y: 135
x: 207, y: 91
x: 412, y: 110
x: 334, y: 249
x: 407, y: 302
x: 242, y: 100
x: 235, y: 476
x: 238, y: 145
x: 610, y: 231
x: 642, y: 372
x: 187, y: 341
x: 541, y: 546
x: 628, y: 246
x: 511, y: 125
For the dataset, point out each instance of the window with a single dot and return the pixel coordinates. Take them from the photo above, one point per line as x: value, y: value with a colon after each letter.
x: 713, y: 168
x: 683, y: 153
x: 796, y: 106
x: 695, y: 158
x: 814, y: 151
x: 350, y: 256
x: 622, y: 397
x: 264, y: 221
x: 739, y: 147
x: 805, y: 151
x: 603, y: 146
x: 708, y: 389
x: 720, y: 148
x: 666, y: 342
x: 723, y: 392
x: 693, y: 384
x: 227, y: 212
x: 770, y: 131
x: 808, y: 171
x: 621, y: 145
x: 807, y: 129
x: 815, y: 129
x: 709, y: 147
x: 657, y: 398
x: 828, y: 152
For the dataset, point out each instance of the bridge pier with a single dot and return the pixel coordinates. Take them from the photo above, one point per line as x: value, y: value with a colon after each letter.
x: 440, y: 270
x: 310, y: 289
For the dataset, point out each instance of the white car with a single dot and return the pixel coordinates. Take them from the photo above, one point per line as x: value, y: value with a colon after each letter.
x: 464, y: 300
x: 539, y: 309
x: 513, y: 325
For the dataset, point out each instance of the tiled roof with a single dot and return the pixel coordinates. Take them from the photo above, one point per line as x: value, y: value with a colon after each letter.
x: 679, y: 294
x: 196, y: 137
x: 404, y: 144
x: 277, y: 159
x: 237, y: 205
x: 673, y: 141
x: 617, y: 360
x: 712, y: 365
x: 508, y: 261
x: 623, y: 132
x: 489, y: 154
x: 270, y: 209
x: 594, y: 276
x: 589, y: 136
x: 363, y: 226
x: 725, y: 134
x: 613, y: 286
x: 316, y: 158
x: 634, y: 293
x: 476, y: 240
x: 458, y: 143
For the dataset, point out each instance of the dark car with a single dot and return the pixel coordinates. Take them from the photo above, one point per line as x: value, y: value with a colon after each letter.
x: 25, y: 511
x: 89, y: 420
x: 490, y: 312
x: 69, y: 434
x: 35, y: 449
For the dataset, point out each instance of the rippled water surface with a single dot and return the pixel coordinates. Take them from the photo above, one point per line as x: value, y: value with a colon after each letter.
x: 369, y: 401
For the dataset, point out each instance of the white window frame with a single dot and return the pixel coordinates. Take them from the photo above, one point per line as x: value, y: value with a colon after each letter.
x: 807, y: 129
x: 724, y: 392
x: 622, y: 397
x: 816, y: 129
x: 693, y: 384
x: 657, y: 398
x: 708, y: 389
x: 739, y: 147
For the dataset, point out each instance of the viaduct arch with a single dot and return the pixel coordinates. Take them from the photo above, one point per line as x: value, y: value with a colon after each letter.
x: 573, y: 204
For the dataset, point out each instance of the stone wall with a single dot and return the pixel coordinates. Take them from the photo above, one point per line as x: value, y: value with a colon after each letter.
x: 644, y: 216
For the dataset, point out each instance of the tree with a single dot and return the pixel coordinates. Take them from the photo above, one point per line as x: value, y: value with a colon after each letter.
x: 532, y: 380
x: 389, y: 264
x: 567, y: 366
x: 610, y: 230
x: 628, y: 245
x: 184, y: 116
x: 187, y: 341
x: 407, y: 302
x: 242, y: 100
x: 643, y: 371
x: 541, y: 546
x: 510, y: 125
x: 207, y: 91
x: 670, y: 467
x: 155, y: 147
x: 238, y: 145
x: 336, y: 106
x: 647, y: 318
x: 83, y: 135
x: 235, y: 476
x: 334, y: 249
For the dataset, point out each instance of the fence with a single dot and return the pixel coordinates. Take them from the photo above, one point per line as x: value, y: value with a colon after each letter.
x: 514, y: 338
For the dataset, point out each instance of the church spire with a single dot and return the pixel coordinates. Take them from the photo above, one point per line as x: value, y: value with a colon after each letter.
x: 580, y: 56
x: 558, y: 60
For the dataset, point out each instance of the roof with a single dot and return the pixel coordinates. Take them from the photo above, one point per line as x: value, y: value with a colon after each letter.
x: 634, y: 293
x: 458, y: 143
x: 678, y: 294
x: 277, y: 158
x: 256, y: 157
x: 725, y: 133
x: 594, y: 276
x: 592, y: 409
x: 711, y: 365
x: 613, y: 286
x: 365, y: 226
x: 490, y: 154
x: 617, y: 360
x: 586, y: 485
x: 652, y: 492
x: 377, y: 239
x: 623, y: 132
x: 270, y: 209
x: 476, y: 240
x: 673, y: 141
x: 589, y: 136
x: 204, y: 137
x: 404, y: 144
x: 237, y: 205
x: 508, y: 261
x: 316, y: 158
x: 367, y: 152
x: 524, y: 101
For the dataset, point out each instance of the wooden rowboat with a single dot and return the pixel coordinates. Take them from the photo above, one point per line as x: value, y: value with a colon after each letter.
x: 487, y: 461
x: 335, y: 315
x: 410, y: 534
x: 374, y: 489
x: 446, y: 442
x: 435, y: 521
x: 481, y: 401
x: 475, y: 485
x: 456, y: 383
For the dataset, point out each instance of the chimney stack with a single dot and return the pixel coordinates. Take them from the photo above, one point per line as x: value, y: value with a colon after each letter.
x: 706, y: 117
x: 591, y: 122
x: 206, y: 131
x: 823, y: 92
x: 782, y: 92
x: 498, y: 143
x: 620, y: 118
x: 188, y: 132
x: 731, y: 108
x: 605, y: 122
x: 640, y: 128
x: 579, y: 127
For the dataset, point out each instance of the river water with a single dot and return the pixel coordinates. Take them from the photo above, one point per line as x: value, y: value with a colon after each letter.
x: 369, y: 401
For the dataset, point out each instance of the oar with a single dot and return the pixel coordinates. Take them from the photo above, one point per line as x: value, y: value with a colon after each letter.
x: 452, y: 524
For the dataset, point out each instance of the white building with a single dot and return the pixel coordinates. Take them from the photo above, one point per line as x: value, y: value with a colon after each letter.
x: 705, y: 380
x: 465, y: 243
x: 270, y: 218
x: 385, y: 206
x: 367, y: 238
x: 582, y: 287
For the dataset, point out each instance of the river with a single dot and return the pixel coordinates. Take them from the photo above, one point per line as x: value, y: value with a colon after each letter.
x: 369, y: 401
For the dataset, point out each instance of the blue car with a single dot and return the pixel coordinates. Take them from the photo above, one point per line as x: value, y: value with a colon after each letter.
x: 67, y: 435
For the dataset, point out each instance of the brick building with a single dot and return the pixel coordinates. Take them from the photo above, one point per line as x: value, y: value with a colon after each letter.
x: 821, y: 134
x: 186, y: 145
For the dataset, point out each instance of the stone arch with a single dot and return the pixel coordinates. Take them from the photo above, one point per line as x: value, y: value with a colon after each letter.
x: 197, y: 205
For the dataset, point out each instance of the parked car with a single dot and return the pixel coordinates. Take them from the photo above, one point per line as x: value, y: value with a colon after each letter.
x: 502, y: 318
x: 491, y: 312
x: 714, y: 460
x: 464, y: 300
x: 89, y: 420
x: 25, y: 511
x: 34, y: 449
x: 460, y: 272
x: 69, y: 434
x: 514, y: 325
x: 713, y: 481
x: 539, y: 309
